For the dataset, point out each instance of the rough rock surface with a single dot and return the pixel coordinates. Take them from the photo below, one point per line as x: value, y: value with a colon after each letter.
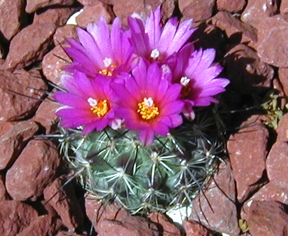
x: 262, y: 218
x: 247, y: 72
x: 15, y: 216
x: 20, y: 94
x: 277, y: 158
x: 57, y: 16
x: 123, y: 8
x: 247, y: 151
x: 194, y: 228
x: 230, y: 5
x: 197, y: 10
x: 43, y: 225
x: 47, y: 120
x: 236, y: 30
x: 109, y: 218
x: 165, y: 226
x: 282, y: 129
x: 13, y: 139
x: 221, y: 191
x: 61, y: 196
x: 53, y: 64
x: 29, y: 45
x: 92, y: 13
x: 33, y: 5
x: 12, y: 12
x: 256, y: 11
x: 33, y: 170
x: 270, y: 46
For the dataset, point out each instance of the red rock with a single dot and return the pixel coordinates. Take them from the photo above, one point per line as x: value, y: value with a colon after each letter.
x: 92, y: 13
x: 35, y: 167
x: 267, y: 218
x: 13, y: 139
x: 284, y: 7
x: 62, y: 198
x: 12, y: 12
x: 53, y: 63
x: 3, y: 192
x: 217, y: 201
x: 15, y: 216
x: 230, y: 5
x: 256, y: 11
x: 29, y: 45
x: 109, y: 218
x: 246, y: 71
x: 65, y: 233
x: 20, y: 94
x: 270, y: 46
x: 56, y: 16
x: 123, y: 8
x: 66, y: 31
x: 277, y: 158
x: 93, y: 2
x: 235, y: 30
x: 194, y: 228
x: 283, y: 75
x: 33, y: 5
x: 46, y: 116
x: 282, y: 129
x: 43, y: 225
x: 247, y: 152
x: 167, y: 227
x: 197, y: 10
x: 269, y: 192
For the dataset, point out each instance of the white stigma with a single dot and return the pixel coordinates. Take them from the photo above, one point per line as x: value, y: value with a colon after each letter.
x: 92, y: 102
x: 155, y: 53
x: 148, y: 102
x: 184, y: 80
x: 107, y: 62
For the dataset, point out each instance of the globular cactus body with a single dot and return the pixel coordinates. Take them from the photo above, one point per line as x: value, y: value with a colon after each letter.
x: 169, y: 173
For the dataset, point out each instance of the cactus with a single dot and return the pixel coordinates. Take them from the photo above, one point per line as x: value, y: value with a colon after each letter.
x: 133, y: 123
x: 114, y: 166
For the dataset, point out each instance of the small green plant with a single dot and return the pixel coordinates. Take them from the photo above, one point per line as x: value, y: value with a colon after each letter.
x: 273, y: 109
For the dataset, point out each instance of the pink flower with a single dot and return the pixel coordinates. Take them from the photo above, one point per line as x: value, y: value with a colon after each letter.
x: 148, y: 102
x: 197, y: 75
x: 154, y: 41
x: 88, y: 103
x: 100, y: 50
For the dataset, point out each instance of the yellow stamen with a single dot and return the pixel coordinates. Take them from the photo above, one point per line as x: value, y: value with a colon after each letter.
x: 109, y: 67
x: 147, y: 109
x: 99, y: 108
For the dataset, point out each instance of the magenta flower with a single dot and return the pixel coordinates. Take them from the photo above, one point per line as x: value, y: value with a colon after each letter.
x: 197, y: 75
x: 100, y: 50
x: 88, y: 103
x: 148, y: 102
x: 154, y: 41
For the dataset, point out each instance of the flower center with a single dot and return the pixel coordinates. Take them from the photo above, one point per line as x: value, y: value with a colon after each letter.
x: 186, y: 88
x: 99, y: 108
x: 147, y: 109
x: 109, y: 67
x: 155, y: 55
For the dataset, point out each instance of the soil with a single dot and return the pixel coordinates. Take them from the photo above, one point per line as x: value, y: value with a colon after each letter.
x: 248, y: 194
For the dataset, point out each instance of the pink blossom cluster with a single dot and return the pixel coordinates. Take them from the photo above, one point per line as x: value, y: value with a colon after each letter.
x: 147, y: 77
